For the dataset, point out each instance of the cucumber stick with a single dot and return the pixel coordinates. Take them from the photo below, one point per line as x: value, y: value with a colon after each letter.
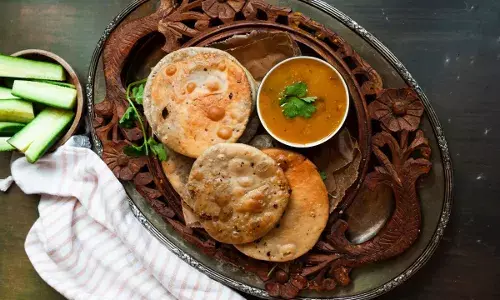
x: 45, y: 93
x: 16, y: 111
x: 6, y: 93
x: 9, y: 128
x: 4, y: 146
x: 65, y: 84
x: 24, y: 68
x: 9, y: 82
x: 41, y: 133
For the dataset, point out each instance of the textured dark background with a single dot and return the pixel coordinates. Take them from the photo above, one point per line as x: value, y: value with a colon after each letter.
x: 452, y: 48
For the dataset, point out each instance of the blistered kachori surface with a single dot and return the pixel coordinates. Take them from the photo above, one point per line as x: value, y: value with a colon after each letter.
x: 198, y: 97
x: 239, y: 192
x: 305, y: 217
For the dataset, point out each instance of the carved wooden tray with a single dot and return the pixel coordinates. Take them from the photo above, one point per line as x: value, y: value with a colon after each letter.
x: 396, y: 138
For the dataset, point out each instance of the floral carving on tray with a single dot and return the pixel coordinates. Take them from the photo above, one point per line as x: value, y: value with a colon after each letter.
x: 397, y: 109
x: 401, y: 150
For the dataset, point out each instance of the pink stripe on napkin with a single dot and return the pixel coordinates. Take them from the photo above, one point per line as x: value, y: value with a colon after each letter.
x: 87, y: 244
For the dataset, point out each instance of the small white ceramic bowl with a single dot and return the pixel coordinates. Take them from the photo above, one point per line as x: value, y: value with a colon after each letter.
x: 312, y: 144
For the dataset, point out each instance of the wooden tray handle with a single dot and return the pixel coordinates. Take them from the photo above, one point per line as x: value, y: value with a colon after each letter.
x: 120, y: 44
x: 116, y: 51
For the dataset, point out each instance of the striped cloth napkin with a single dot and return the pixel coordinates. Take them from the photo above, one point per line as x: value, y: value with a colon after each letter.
x: 87, y: 244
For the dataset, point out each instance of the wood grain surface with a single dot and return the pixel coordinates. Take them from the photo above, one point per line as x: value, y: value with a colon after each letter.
x: 452, y: 48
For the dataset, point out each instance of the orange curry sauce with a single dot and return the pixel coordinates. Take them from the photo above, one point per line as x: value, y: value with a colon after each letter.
x: 322, y: 82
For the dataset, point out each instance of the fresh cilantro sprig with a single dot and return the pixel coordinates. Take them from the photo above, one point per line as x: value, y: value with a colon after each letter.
x: 135, y: 93
x: 298, y: 89
x: 128, y: 119
x: 296, y: 107
x: 138, y: 92
x: 294, y: 102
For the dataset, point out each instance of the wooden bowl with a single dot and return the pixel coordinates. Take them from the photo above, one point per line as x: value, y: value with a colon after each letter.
x: 71, y: 77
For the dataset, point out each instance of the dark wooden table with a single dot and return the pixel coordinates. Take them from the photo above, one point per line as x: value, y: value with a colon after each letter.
x: 452, y: 47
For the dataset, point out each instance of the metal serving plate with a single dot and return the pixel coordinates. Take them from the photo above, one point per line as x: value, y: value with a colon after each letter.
x: 435, y: 189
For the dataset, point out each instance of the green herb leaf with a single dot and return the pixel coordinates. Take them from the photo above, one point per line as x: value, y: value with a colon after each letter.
x: 323, y: 175
x: 309, y: 99
x: 136, y: 151
x: 283, y: 100
x: 298, y: 89
x: 158, y: 149
x: 135, y: 93
x: 296, y: 107
x: 129, y: 117
x: 292, y: 106
x: 138, y: 93
x: 295, y: 103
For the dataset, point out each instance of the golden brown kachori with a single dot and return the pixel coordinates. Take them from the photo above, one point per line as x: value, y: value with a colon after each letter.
x: 198, y: 97
x: 177, y: 169
x: 305, y: 217
x: 239, y: 192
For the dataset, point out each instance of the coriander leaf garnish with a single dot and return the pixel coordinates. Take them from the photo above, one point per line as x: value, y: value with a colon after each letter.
x: 309, y: 99
x: 295, y: 107
x: 133, y: 150
x: 298, y: 89
x: 323, y: 175
x: 283, y: 100
x: 138, y: 93
x: 294, y: 102
x: 128, y: 119
x: 158, y: 149
x: 135, y: 93
x: 292, y: 107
